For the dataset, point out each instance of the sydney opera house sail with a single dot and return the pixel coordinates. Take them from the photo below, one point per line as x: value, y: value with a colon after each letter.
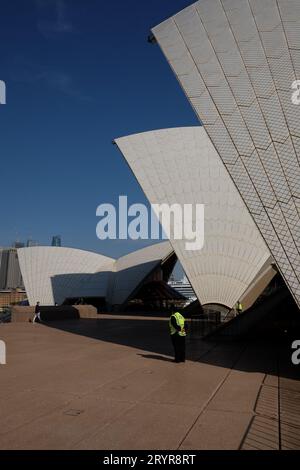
x: 53, y: 274
x: 181, y: 166
x: 236, y: 61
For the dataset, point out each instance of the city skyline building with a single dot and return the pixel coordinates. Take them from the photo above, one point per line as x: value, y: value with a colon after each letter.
x: 56, y: 240
x: 10, y: 273
x: 31, y: 242
x: 19, y: 244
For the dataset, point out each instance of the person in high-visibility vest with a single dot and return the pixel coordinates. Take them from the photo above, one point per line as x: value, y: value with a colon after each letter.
x: 239, y: 308
x: 178, y: 334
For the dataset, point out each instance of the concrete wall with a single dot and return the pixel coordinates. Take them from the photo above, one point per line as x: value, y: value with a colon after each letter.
x: 25, y: 314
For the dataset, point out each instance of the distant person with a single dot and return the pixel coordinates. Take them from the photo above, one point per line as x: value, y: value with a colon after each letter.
x: 239, y: 308
x: 178, y: 334
x: 37, y: 313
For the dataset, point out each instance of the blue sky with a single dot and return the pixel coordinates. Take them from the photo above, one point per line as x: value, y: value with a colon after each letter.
x: 79, y: 73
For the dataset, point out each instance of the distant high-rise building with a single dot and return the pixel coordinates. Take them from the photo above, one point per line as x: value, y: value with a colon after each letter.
x: 19, y: 244
x: 3, y: 267
x: 31, y: 242
x: 10, y: 274
x: 14, y: 277
x: 56, y: 240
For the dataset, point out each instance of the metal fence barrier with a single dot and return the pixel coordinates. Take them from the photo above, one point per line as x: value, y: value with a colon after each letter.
x: 203, y: 324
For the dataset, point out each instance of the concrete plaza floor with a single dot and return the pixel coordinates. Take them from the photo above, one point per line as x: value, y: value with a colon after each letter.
x: 110, y: 384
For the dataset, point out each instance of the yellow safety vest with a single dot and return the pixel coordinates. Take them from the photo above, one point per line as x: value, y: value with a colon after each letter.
x: 180, y: 320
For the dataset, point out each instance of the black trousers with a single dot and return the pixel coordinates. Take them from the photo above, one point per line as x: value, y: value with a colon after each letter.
x: 179, y: 347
